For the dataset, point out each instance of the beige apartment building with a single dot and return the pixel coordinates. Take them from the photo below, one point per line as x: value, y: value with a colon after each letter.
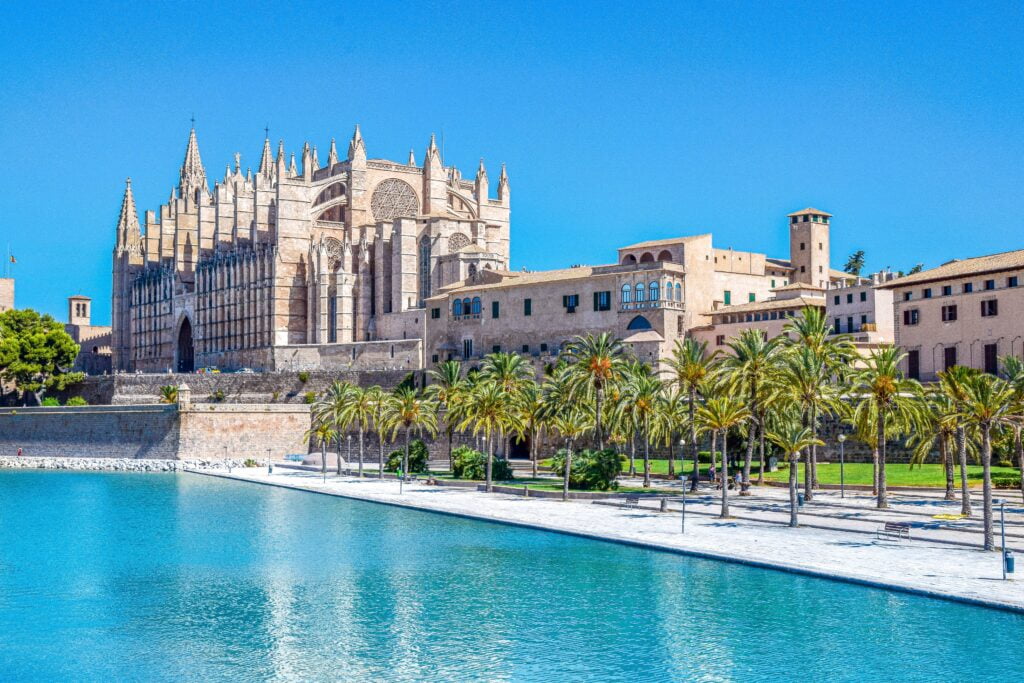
x: 965, y: 312
x: 656, y: 292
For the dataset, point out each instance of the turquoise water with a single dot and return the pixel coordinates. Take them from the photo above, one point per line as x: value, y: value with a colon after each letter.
x: 156, y: 577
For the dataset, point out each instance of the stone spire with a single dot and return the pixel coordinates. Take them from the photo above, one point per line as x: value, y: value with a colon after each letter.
x: 238, y: 163
x: 356, y: 146
x: 129, y: 235
x: 316, y: 160
x: 193, y: 175
x: 279, y: 162
x: 481, y: 170
x: 412, y: 158
x: 503, y: 189
x: 482, y: 186
x: 267, y: 160
x: 293, y: 170
x: 332, y: 155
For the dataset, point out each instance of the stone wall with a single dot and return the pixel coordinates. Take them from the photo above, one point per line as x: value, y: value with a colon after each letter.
x: 399, y: 355
x: 200, y: 431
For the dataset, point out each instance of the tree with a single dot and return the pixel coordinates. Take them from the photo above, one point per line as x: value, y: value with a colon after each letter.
x: 571, y: 424
x: 669, y: 418
x: 321, y: 432
x: 380, y: 400
x: 855, y: 264
x: 356, y: 408
x: 988, y: 404
x: 720, y: 414
x: 594, y: 362
x: 953, y: 383
x: 530, y: 408
x: 510, y: 372
x: 916, y: 269
x: 690, y: 366
x: 331, y: 406
x: 936, y: 429
x: 36, y: 353
x: 642, y: 393
x: 168, y: 393
x: 406, y: 410
x: 487, y: 412
x: 447, y: 388
x: 754, y: 361
x: 880, y: 388
x: 1013, y: 371
x: 792, y: 438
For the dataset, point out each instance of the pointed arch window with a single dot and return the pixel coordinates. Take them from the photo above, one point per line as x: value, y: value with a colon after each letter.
x: 654, y: 290
x: 639, y: 290
x: 639, y: 323
x: 627, y: 292
x: 424, y: 268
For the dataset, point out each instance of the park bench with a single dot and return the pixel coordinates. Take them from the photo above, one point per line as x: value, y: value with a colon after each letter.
x: 631, y: 502
x: 896, y: 530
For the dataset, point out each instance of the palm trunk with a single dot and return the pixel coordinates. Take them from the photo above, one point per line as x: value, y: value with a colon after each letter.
x: 533, y: 451
x: 813, y: 460
x: 490, y: 459
x: 694, y: 450
x: 965, y: 493
x: 714, y: 456
x: 748, y: 458
x: 361, y: 437
x: 883, y: 498
x: 874, y: 470
x: 568, y: 469
x: 323, y: 457
x: 1018, y: 445
x: 725, y: 473
x: 986, y: 483
x: 380, y: 455
x: 794, y: 461
x: 671, y: 457
x: 598, y: 427
x: 405, y: 458
x: 647, y: 453
x: 451, y: 434
x: 337, y: 460
x: 947, y: 465
x: 808, y: 493
x: 632, y: 455
x: 760, y: 438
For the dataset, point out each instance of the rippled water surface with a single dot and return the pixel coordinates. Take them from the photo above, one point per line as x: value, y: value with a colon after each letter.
x: 164, y: 576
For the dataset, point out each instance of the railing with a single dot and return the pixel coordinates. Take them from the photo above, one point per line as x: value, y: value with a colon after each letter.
x: 647, y: 305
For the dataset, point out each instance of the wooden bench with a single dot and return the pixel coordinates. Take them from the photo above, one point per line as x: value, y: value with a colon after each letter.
x: 631, y: 502
x: 896, y: 530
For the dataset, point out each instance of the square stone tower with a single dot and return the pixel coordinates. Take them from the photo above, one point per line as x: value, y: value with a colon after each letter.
x: 79, y: 310
x: 809, y: 246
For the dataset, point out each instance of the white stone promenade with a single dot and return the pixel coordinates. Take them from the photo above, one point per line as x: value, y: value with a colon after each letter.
x: 935, y: 566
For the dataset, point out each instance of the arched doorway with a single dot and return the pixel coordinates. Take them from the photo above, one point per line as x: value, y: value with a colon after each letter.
x: 186, y: 352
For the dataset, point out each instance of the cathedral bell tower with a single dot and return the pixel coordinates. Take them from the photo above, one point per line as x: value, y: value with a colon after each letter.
x: 129, y: 258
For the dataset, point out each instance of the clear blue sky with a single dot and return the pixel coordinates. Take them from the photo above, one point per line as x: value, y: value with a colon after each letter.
x: 618, y: 121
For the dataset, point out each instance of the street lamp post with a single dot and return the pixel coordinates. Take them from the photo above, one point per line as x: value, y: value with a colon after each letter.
x: 1002, y: 525
x: 226, y: 461
x: 348, y: 440
x: 682, y: 522
x: 270, y: 465
x: 842, y: 463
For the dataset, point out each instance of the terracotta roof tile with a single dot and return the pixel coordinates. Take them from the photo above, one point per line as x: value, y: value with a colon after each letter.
x: 1007, y: 260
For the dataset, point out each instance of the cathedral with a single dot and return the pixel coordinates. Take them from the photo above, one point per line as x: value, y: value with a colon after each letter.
x: 299, y: 266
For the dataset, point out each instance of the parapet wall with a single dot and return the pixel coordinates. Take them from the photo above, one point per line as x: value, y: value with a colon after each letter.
x: 201, y: 431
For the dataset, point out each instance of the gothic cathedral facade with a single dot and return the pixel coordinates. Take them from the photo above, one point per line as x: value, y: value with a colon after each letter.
x: 299, y: 266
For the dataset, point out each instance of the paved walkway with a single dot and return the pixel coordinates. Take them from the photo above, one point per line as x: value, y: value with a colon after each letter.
x: 754, y: 536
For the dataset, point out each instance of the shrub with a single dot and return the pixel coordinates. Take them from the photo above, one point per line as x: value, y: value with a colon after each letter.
x: 76, y: 401
x: 303, y: 376
x: 591, y: 470
x: 249, y: 462
x: 275, y: 395
x: 217, y: 396
x: 51, y: 402
x: 468, y: 463
x: 418, y: 457
x: 309, y: 397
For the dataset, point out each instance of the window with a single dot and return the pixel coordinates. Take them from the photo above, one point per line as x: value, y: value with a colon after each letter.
x: 1011, y: 281
x: 639, y: 323
x: 639, y: 291
x: 949, y: 313
x: 543, y: 348
x: 927, y: 293
x: 679, y: 292
x: 863, y: 321
x: 803, y: 269
x: 435, y: 313
x: 495, y: 310
x: 948, y: 357
x: 476, y: 305
x: 424, y: 267
x: 989, y: 308
x: 626, y: 292
x: 467, y: 348
x: 496, y: 348
x: 526, y: 348
x: 968, y: 287
x: 720, y: 340
x: 602, y: 301
x: 757, y: 317
x: 728, y: 297
x: 435, y: 358
x: 946, y: 290
x: 802, y: 246
x: 863, y: 296
x: 527, y: 306
x: 991, y: 359
x: 466, y: 306
x: 914, y: 364
x: 751, y: 297
x: 849, y: 324
x: 907, y: 296
x: 570, y: 302
x: 849, y: 298
x: 990, y: 285
x: 457, y: 308
x: 838, y: 326
x: 773, y: 284
x: 911, y: 316
x: 836, y: 300
x: 654, y: 291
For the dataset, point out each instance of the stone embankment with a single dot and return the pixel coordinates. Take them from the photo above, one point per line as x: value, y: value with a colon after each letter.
x: 116, y: 464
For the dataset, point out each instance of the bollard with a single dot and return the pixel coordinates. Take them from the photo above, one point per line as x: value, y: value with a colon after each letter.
x: 1008, y: 560
x: 800, y: 499
x: 526, y: 491
x: 664, y: 504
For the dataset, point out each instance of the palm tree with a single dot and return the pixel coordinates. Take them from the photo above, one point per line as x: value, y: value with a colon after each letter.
x: 881, y: 389
x: 669, y: 418
x: 332, y: 404
x: 487, y: 412
x: 447, y: 388
x: 321, y: 432
x: 792, y: 438
x: 595, y: 362
x: 953, y: 383
x: 720, y: 414
x: 168, y: 394
x: 408, y: 410
x: 358, y: 409
x: 642, y: 394
x: 531, y: 412
x: 380, y: 401
x: 571, y: 424
x: 510, y: 372
x: 690, y: 366
x: 753, y: 363
x: 988, y: 403
x: 855, y: 263
x: 935, y: 430
x: 1013, y: 371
